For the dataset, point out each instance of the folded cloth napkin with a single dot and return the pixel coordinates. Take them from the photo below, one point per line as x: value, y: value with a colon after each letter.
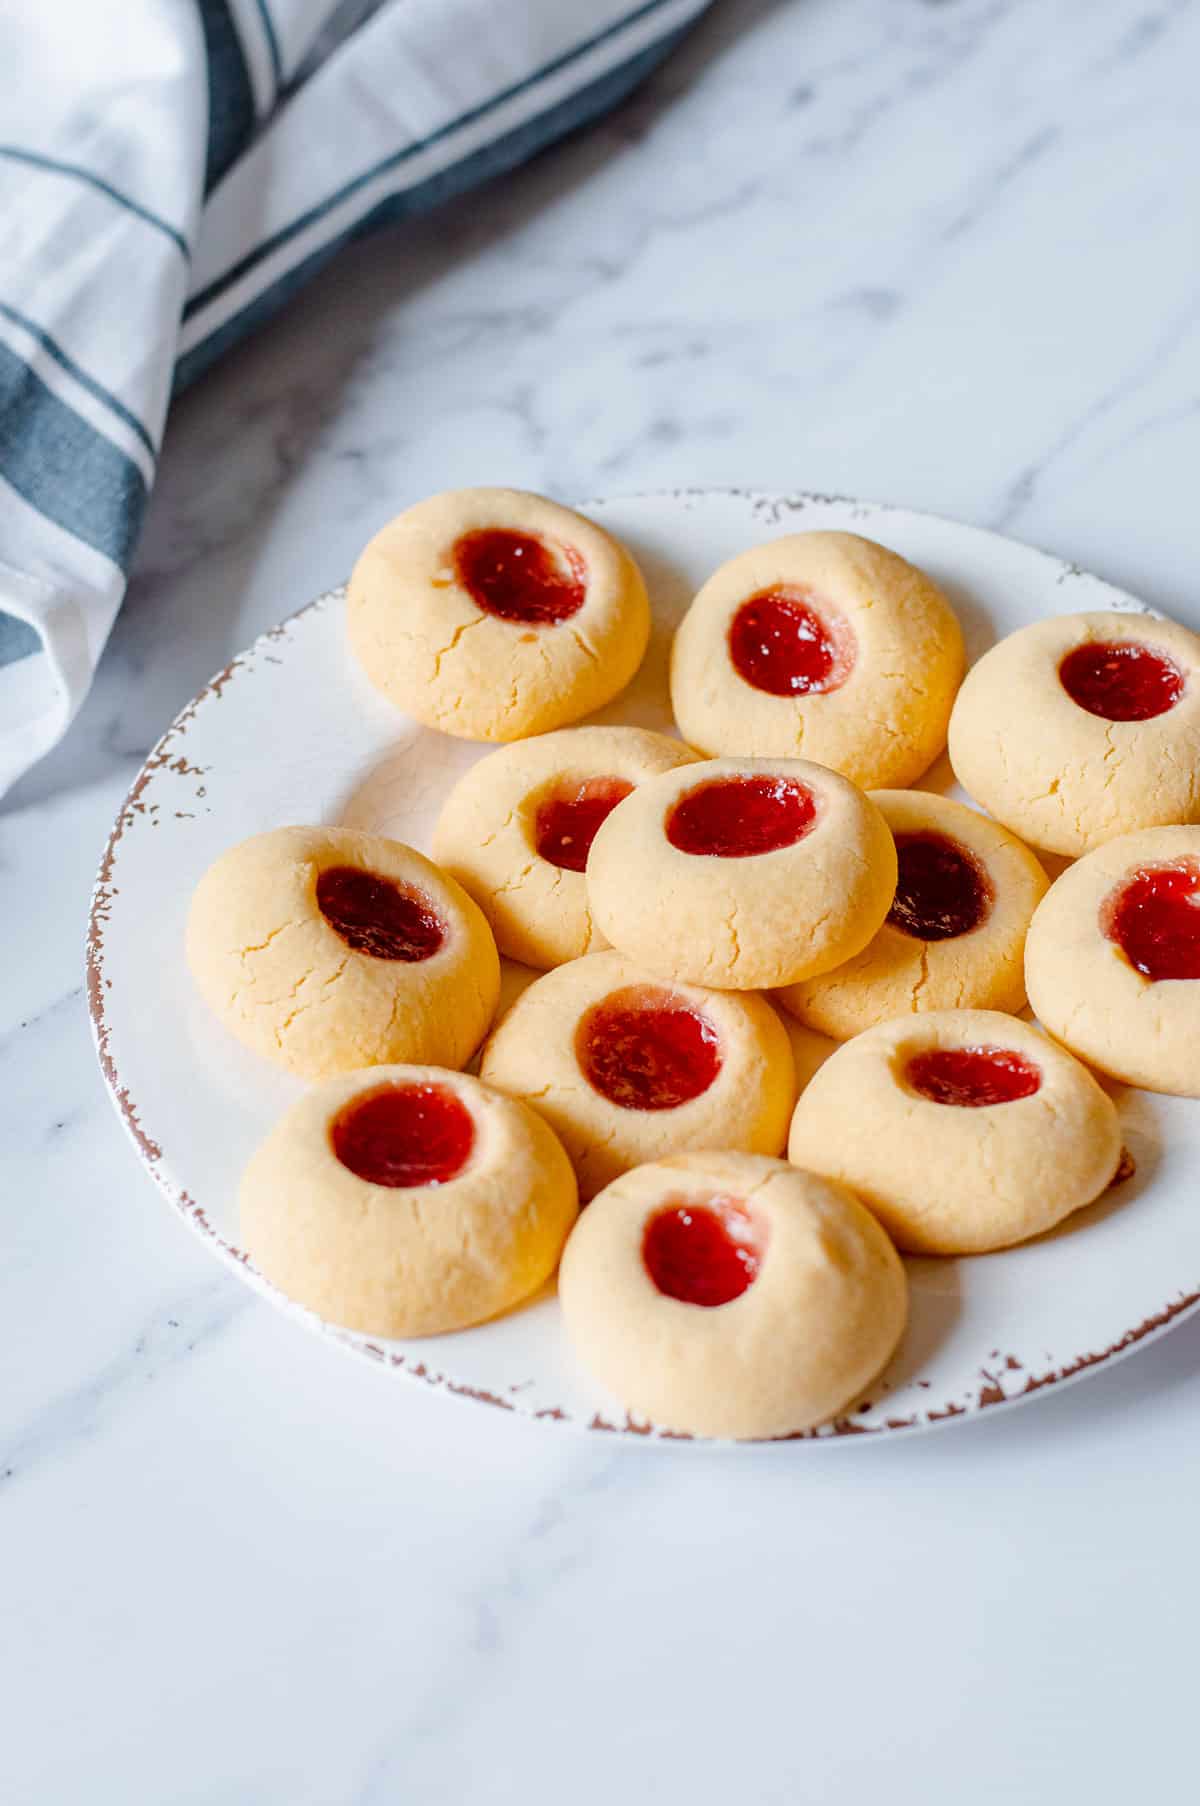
x: 170, y: 172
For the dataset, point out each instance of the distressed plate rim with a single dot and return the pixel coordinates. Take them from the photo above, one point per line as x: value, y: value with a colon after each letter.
x: 169, y: 755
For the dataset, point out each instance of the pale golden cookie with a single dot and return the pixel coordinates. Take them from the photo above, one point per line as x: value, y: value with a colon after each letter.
x: 626, y: 1068
x: 1041, y: 734
x: 820, y: 646
x: 963, y: 1130
x: 742, y: 873
x: 955, y: 934
x: 516, y: 830
x: 493, y: 613
x: 1113, y: 959
x: 407, y: 1201
x: 324, y: 950
x: 729, y: 1295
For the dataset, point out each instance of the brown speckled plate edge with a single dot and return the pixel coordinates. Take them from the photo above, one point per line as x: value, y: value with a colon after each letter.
x: 1004, y: 1380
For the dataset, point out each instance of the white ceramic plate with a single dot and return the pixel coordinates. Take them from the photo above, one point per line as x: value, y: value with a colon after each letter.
x: 291, y: 732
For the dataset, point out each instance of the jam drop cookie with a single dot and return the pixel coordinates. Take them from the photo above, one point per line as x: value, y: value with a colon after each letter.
x: 625, y: 1068
x: 955, y: 934
x: 492, y: 614
x: 820, y: 646
x: 325, y: 949
x: 517, y: 829
x: 742, y: 873
x: 407, y: 1201
x: 728, y: 1295
x: 1113, y: 959
x: 979, y: 1132
x: 1083, y: 727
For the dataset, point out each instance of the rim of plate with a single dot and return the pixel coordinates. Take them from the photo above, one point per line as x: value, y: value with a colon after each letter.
x: 166, y: 751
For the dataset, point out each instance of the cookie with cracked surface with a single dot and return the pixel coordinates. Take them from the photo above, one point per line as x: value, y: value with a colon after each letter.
x: 728, y: 1295
x: 1113, y: 959
x: 820, y: 646
x: 742, y: 874
x: 517, y: 829
x: 982, y: 1132
x: 325, y: 949
x: 626, y: 1068
x: 493, y: 614
x: 955, y: 934
x: 407, y: 1201
x: 1081, y: 728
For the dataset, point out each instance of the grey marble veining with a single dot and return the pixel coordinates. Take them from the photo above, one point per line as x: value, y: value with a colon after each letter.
x: 945, y: 254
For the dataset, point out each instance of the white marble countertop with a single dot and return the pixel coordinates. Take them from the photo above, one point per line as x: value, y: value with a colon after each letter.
x: 942, y: 254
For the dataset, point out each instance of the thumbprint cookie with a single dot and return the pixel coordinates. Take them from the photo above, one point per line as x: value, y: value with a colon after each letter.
x: 1081, y: 728
x: 954, y: 937
x: 730, y: 1295
x: 963, y: 1130
x: 742, y: 873
x: 517, y: 829
x: 626, y: 1068
x: 407, y: 1201
x: 493, y: 614
x: 820, y: 646
x: 325, y: 949
x: 1113, y: 959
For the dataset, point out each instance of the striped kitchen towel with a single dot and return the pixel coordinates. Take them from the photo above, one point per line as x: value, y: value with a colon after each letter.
x: 170, y: 171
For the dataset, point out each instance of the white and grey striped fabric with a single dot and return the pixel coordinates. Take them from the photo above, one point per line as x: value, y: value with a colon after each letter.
x: 170, y: 171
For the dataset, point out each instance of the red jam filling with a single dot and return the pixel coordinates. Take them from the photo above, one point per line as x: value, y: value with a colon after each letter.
x: 780, y: 644
x: 972, y: 1077
x: 405, y: 1135
x: 1120, y: 680
x: 735, y: 818
x: 1154, y: 918
x: 704, y: 1254
x: 942, y: 891
x: 643, y: 1049
x: 566, y: 825
x: 373, y: 915
x: 518, y: 578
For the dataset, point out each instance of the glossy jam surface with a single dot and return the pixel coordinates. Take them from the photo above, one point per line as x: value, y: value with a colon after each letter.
x: 645, y: 1049
x: 405, y: 1135
x: 566, y: 824
x: 972, y: 1077
x: 376, y: 916
x: 1121, y: 680
x: 1154, y: 918
x: 779, y: 643
x: 518, y: 578
x: 704, y: 1254
x: 735, y: 818
x: 942, y: 890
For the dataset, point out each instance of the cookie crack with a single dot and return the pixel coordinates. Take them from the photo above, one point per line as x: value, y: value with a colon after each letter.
x: 1111, y: 761
x: 261, y: 946
x: 731, y: 928
x: 240, y: 998
x: 444, y: 653
x: 1045, y: 795
x: 588, y: 650
x: 515, y: 883
x: 496, y: 832
x: 326, y: 983
x: 922, y: 980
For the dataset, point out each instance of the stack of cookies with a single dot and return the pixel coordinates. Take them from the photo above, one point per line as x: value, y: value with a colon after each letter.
x: 692, y: 910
